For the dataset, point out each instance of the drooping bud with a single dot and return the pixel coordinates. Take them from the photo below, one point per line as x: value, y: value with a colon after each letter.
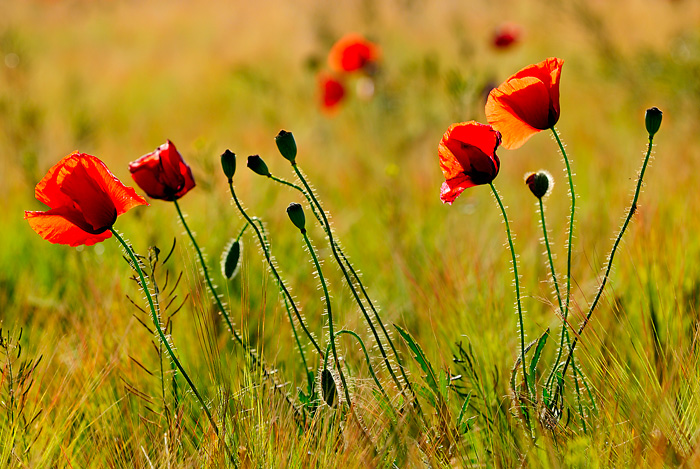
x: 540, y: 183
x: 231, y: 258
x: 258, y: 166
x: 228, y: 163
x: 652, y: 119
x: 296, y: 214
x: 287, y: 145
x: 329, y: 389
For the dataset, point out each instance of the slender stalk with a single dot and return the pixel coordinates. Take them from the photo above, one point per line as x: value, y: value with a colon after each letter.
x: 356, y: 277
x: 599, y: 293
x: 369, y: 363
x: 569, y: 246
x: 156, y: 323
x: 212, y: 290
x: 329, y: 311
x: 334, y: 249
x: 517, y: 280
x: 282, y: 286
x: 257, y: 361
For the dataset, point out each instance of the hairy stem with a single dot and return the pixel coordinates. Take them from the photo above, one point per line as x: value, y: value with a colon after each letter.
x: 517, y: 280
x: 599, y: 293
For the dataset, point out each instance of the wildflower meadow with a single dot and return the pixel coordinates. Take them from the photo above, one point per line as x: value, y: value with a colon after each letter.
x: 349, y: 234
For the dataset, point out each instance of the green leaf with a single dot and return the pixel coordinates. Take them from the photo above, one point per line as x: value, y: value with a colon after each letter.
x: 536, y: 358
x: 419, y: 356
x: 462, y: 427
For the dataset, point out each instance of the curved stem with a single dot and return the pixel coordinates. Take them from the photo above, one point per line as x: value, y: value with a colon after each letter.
x: 356, y: 277
x: 334, y: 249
x: 330, y: 314
x: 517, y: 280
x: 599, y: 293
x: 240, y: 233
x: 565, y: 310
x: 282, y: 286
x: 213, y: 291
x: 257, y: 361
x: 156, y: 323
x: 369, y: 363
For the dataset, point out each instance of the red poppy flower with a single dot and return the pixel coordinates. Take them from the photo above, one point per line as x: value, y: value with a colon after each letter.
x: 467, y: 157
x: 506, y: 35
x: 351, y: 53
x: 332, y: 91
x: 526, y: 103
x: 163, y: 174
x: 85, y: 199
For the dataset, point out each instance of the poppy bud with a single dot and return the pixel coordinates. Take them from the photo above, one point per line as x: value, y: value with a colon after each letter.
x: 296, y: 214
x: 228, y: 163
x: 540, y: 183
x: 287, y: 145
x: 258, y: 166
x: 231, y: 259
x: 652, y: 119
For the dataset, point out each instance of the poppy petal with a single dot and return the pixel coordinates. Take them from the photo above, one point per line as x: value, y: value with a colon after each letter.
x: 55, y: 228
x: 452, y: 188
x: 518, y: 108
x: 96, y: 207
x: 123, y: 197
x: 49, y: 189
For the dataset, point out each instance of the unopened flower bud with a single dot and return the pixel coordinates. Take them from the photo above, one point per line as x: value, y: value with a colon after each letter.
x: 228, y: 163
x: 296, y: 214
x: 231, y: 259
x: 540, y: 183
x: 257, y: 165
x: 652, y: 119
x: 287, y: 145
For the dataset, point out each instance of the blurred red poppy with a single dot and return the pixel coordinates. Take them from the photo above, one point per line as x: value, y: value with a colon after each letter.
x: 353, y: 52
x: 467, y: 158
x: 85, y: 199
x: 526, y: 103
x: 163, y: 174
x: 332, y: 91
x: 506, y: 35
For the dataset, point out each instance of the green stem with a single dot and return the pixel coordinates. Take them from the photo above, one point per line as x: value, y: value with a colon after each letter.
x: 257, y: 361
x: 549, y: 255
x: 369, y: 363
x: 156, y: 323
x: 334, y: 249
x: 213, y: 291
x: 240, y: 233
x: 569, y: 246
x: 280, y: 283
x: 356, y: 277
x: 599, y: 293
x: 329, y: 312
x: 517, y: 280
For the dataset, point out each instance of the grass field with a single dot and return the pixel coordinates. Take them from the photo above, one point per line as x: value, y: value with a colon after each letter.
x: 88, y: 383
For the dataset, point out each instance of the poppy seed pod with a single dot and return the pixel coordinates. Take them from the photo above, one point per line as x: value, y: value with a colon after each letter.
x: 540, y: 183
x: 287, y: 145
x: 258, y: 166
x: 228, y: 163
x: 652, y: 119
x: 296, y: 214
